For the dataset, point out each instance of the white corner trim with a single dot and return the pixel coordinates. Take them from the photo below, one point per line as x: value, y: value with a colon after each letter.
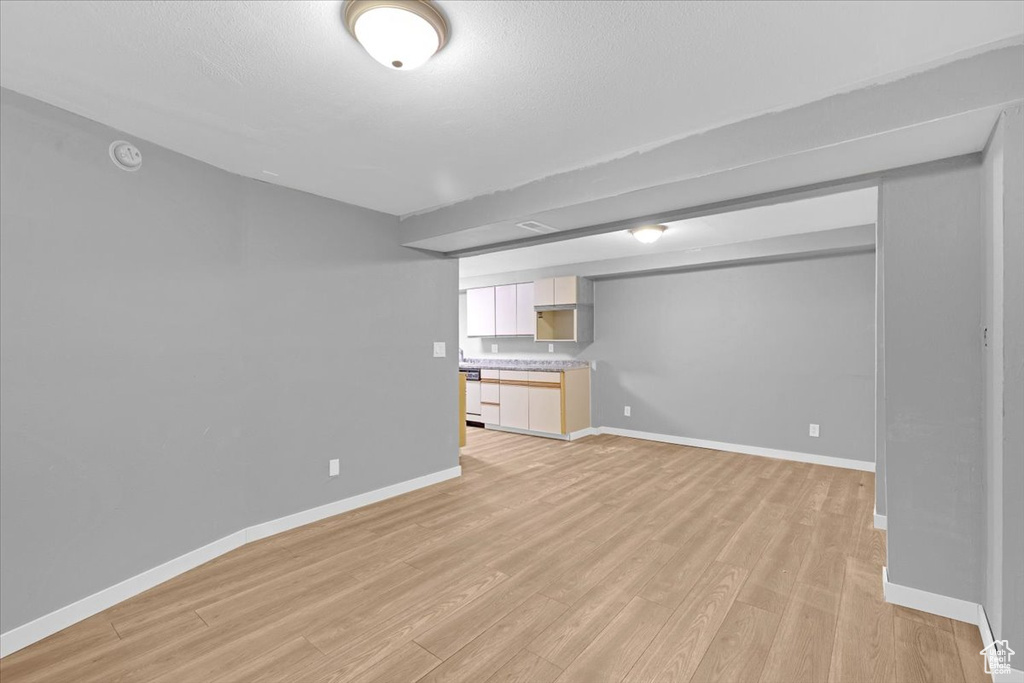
x: 830, y: 461
x: 933, y: 603
x: 881, y: 522
x: 985, y: 628
x: 48, y: 624
x: 580, y: 433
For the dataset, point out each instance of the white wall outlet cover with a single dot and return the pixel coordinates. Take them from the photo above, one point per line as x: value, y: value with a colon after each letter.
x: 335, y: 467
x: 125, y: 155
x: 815, y: 430
x: 626, y: 411
x: 551, y: 348
x: 439, y: 351
x: 494, y: 348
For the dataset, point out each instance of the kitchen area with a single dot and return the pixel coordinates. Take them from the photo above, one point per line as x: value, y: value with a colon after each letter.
x: 520, y: 392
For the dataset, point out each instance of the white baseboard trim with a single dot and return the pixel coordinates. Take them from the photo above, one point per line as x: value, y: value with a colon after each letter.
x: 529, y: 432
x: 881, y: 521
x: 579, y: 434
x: 830, y: 461
x: 985, y: 628
x: 276, y: 526
x: 33, y: 631
x: 933, y: 603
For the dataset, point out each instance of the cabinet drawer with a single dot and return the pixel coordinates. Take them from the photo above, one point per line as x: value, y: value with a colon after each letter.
x: 489, y: 374
x: 489, y: 392
x: 545, y: 376
x: 490, y: 414
x: 513, y: 375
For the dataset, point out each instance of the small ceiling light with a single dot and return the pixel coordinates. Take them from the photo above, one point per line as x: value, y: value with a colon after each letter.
x: 648, y: 233
x: 400, y: 34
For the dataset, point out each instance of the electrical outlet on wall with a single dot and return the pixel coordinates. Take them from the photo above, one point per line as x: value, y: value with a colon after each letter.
x: 815, y: 430
x: 439, y: 350
x: 334, y: 467
x: 626, y: 411
x: 551, y: 348
x: 494, y: 348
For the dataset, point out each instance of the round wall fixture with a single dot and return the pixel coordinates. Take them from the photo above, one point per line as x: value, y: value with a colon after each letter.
x: 125, y: 155
x: 400, y: 34
x: 648, y: 233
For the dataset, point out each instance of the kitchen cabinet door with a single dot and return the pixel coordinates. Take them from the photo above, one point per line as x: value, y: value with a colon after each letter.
x: 505, y: 310
x: 544, y: 292
x: 546, y: 409
x: 565, y: 290
x: 490, y: 413
x: 473, y: 399
x: 526, y: 318
x: 515, y: 406
x: 480, y: 312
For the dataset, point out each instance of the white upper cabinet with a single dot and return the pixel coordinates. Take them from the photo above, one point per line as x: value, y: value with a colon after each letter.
x: 480, y: 312
x: 565, y: 290
x: 505, y: 310
x: 544, y: 292
x: 525, y: 315
x: 555, y: 291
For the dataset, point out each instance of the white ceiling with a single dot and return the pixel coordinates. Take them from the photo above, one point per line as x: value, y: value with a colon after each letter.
x: 522, y: 91
x: 858, y: 207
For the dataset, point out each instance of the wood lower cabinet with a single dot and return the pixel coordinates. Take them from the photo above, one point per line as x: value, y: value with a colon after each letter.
x: 515, y: 406
x: 545, y: 402
x: 546, y: 408
x: 490, y: 413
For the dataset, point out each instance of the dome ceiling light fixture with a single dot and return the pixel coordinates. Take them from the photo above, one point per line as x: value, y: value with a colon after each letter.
x: 400, y: 34
x: 648, y: 234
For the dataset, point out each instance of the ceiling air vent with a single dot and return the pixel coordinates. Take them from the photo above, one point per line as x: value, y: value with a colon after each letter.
x: 537, y: 227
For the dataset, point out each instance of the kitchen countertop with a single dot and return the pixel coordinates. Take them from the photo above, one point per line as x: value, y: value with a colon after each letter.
x: 523, y: 364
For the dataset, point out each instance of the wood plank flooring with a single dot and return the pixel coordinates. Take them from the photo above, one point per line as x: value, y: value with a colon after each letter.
x: 602, y: 560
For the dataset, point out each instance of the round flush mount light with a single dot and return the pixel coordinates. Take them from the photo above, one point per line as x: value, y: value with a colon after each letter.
x: 400, y: 34
x: 648, y: 233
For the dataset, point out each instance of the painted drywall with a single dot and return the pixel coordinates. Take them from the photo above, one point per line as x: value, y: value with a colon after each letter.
x: 1003, y: 203
x: 748, y: 354
x: 863, y: 131
x: 853, y: 238
x: 879, y: 371
x: 184, y: 349
x: 934, y: 299
x: 992, y: 206
x: 292, y: 74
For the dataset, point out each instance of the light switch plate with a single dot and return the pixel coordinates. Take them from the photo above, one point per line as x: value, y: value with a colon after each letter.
x: 626, y: 411
x: 334, y: 467
x: 815, y: 430
x: 439, y: 351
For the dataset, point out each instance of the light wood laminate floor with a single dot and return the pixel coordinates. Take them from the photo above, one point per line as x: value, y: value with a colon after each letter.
x: 602, y: 560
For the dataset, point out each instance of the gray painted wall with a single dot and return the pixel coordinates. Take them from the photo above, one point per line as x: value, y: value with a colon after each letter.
x: 879, y: 370
x: 1013, y: 380
x: 184, y: 349
x: 746, y: 354
x: 933, y: 276
x: 1004, y: 375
